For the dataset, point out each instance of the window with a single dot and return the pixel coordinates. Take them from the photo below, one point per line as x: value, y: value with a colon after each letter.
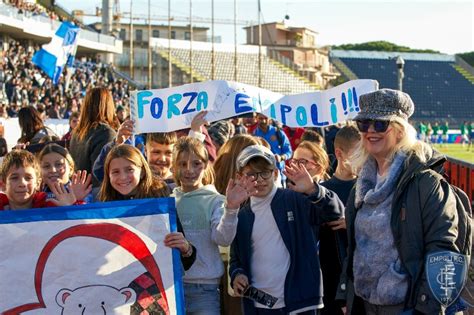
x: 122, y: 34
x: 173, y: 34
x: 139, y: 35
x: 155, y: 33
x: 187, y: 35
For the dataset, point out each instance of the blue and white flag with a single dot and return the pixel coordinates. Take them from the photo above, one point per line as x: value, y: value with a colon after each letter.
x: 52, y: 57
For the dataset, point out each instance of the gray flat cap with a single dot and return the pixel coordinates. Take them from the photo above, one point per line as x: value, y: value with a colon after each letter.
x: 385, y: 104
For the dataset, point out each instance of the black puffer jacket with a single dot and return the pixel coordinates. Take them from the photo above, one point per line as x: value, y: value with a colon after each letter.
x: 423, y: 221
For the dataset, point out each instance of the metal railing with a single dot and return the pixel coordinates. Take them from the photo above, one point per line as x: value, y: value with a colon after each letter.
x: 461, y: 174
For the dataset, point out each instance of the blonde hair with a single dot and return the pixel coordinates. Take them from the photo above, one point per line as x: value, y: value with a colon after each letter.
x: 192, y: 145
x: 225, y: 163
x: 408, y: 143
x: 148, y: 186
x: 320, y: 157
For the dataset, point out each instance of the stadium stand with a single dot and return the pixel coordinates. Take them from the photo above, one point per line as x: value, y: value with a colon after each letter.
x: 276, y: 76
x: 441, y: 87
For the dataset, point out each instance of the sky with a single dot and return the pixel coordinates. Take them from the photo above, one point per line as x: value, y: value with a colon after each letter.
x: 445, y: 26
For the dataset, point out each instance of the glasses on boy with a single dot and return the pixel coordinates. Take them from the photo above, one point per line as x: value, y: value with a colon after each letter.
x: 264, y: 174
x: 378, y: 125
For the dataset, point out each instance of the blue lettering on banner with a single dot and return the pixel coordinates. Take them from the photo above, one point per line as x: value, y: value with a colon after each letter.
x: 200, y: 100
x: 192, y: 96
x: 344, y: 103
x: 351, y: 104
x: 239, y: 104
x: 172, y: 108
x: 301, y: 117
x: 142, y: 102
x: 356, y: 99
x: 315, y: 118
x: 273, y: 112
x: 333, y: 110
x: 283, y: 110
x: 156, y: 108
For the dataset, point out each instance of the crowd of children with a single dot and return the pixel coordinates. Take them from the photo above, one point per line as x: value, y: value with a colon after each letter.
x: 272, y: 194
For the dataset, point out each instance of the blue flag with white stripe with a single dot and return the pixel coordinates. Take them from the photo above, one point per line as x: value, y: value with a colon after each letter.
x: 52, y: 57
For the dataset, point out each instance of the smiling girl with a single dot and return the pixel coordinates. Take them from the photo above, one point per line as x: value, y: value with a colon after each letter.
x: 127, y: 175
x: 209, y: 221
x: 57, y: 166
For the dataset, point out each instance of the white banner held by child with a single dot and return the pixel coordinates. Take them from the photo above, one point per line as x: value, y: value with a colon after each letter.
x: 173, y: 108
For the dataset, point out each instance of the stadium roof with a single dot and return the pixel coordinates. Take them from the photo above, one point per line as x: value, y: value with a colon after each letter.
x: 362, y: 54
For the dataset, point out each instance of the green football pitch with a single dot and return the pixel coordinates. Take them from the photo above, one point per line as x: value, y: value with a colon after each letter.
x: 456, y: 151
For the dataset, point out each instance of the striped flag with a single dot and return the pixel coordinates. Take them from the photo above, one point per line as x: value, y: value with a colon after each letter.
x: 52, y: 57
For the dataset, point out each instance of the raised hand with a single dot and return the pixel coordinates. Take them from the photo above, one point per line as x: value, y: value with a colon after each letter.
x: 198, y: 121
x: 21, y: 146
x: 124, y: 132
x: 240, y: 189
x: 300, y: 179
x: 63, y: 196
x: 81, y: 184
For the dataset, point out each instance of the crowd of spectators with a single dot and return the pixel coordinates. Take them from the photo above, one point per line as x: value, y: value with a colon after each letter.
x: 31, y: 9
x: 23, y: 84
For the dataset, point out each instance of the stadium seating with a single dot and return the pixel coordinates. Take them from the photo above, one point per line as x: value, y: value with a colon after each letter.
x: 276, y: 77
x: 440, y: 90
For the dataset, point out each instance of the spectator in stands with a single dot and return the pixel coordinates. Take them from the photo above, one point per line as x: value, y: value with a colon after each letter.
x: 333, y: 237
x: 294, y: 135
x: 73, y: 122
x: 238, y: 126
x: 313, y: 136
x: 279, y: 142
x: 250, y: 122
x: 404, y: 212
x: 32, y: 126
x: 121, y: 113
x: 220, y: 132
x: 97, y: 125
x: 3, y: 142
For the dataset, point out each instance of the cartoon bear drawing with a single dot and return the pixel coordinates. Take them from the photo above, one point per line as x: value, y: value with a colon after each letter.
x: 96, y: 299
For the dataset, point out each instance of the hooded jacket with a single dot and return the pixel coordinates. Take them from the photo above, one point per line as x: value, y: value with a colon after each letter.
x: 423, y: 221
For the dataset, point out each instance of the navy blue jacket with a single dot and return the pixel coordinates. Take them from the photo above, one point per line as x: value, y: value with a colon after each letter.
x: 298, y: 218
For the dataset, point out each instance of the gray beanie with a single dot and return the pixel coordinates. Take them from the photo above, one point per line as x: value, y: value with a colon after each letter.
x: 385, y: 104
x: 220, y: 131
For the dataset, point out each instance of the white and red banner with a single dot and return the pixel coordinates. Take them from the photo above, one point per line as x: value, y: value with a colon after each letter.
x: 103, y: 258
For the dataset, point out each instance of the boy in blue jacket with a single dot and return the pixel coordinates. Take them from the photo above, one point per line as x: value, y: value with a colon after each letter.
x: 275, y: 248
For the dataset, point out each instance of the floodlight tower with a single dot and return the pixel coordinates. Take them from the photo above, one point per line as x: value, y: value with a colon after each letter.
x: 400, y: 65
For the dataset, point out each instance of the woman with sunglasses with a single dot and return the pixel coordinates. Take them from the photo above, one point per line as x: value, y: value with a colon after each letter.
x: 399, y: 213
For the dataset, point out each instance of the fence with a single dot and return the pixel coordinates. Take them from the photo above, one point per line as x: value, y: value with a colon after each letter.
x: 461, y: 174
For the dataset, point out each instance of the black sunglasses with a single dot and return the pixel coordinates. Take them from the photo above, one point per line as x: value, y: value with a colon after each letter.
x: 379, y: 125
